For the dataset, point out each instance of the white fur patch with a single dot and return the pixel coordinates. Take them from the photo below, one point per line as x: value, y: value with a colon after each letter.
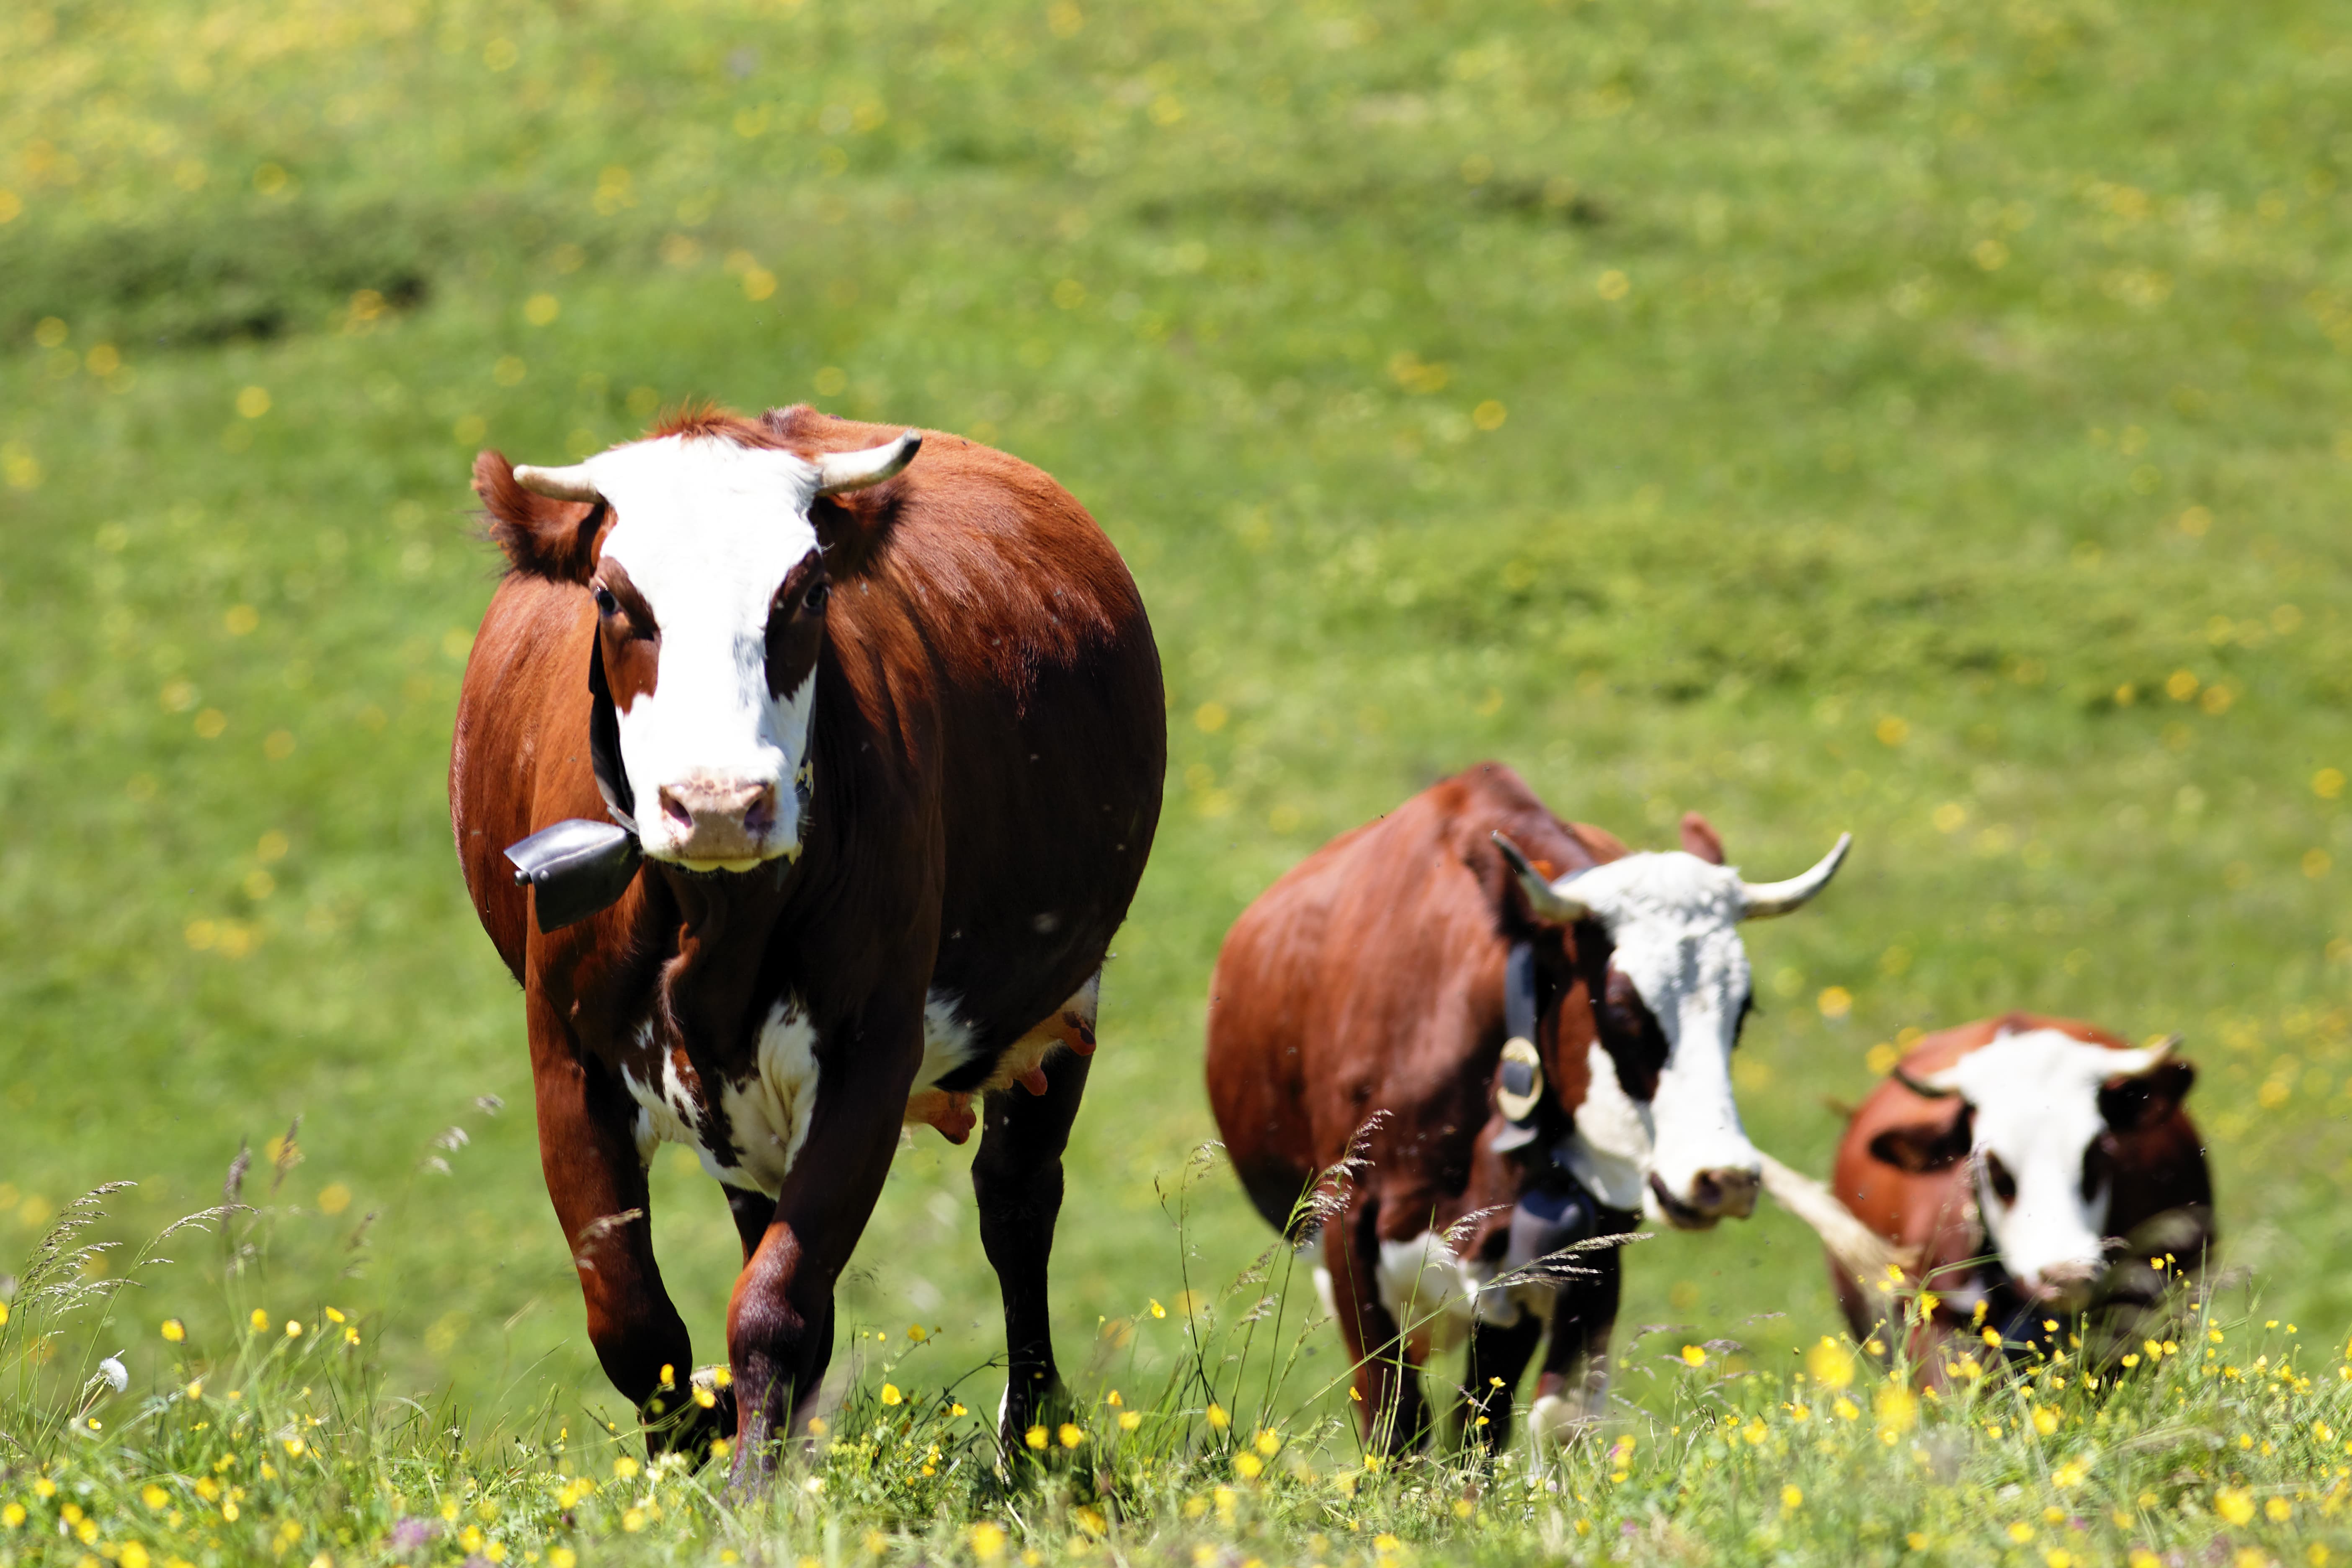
x: 767, y: 1111
x: 1609, y: 1153
x: 1434, y: 1297
x: 947, y: 1040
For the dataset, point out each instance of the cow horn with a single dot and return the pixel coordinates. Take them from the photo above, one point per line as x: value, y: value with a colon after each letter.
x: 1543, y: 899
x: 839, y: 471
x: 2146, y: 1059
x: 571, y: 483
x: 1765, y: 900
x: 1920, y: 1087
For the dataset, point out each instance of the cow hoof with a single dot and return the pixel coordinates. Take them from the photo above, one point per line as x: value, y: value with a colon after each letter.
x: 1553, y: 1422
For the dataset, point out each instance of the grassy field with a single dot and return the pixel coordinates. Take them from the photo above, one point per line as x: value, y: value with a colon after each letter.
x: 1927, y: 420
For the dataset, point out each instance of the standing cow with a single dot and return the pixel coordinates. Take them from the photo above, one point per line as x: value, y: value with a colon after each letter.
x: 2027, y: 1168
x: 1364, y: 1001
x: 888, y: 736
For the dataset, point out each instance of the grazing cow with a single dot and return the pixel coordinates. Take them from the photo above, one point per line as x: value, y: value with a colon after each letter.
x: 881, y: 742
x: 2026, y: 1169
x: 1511, y: 1056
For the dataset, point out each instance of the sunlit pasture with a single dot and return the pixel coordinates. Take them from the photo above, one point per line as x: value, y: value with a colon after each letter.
x: 1927, y: 420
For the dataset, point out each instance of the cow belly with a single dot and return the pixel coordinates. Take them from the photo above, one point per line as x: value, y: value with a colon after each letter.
x: 766, y: 1111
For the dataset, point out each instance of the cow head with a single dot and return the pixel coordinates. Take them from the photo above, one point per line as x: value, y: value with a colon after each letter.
x: 2039, y: 1120
x: 1658, y: 1128
x: 710, y: 590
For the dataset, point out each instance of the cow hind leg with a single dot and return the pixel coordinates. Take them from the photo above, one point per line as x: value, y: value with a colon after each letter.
x: 1016, y: 1179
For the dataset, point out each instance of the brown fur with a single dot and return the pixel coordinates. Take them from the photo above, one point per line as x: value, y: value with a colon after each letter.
x: 988, y: 749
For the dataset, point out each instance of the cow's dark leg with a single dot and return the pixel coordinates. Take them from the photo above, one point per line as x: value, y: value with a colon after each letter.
x: 1574, y: 1387
x: 1016, y: 1179
x: 589, y: 1156
x: 780, y: 1321
x: 1499, y: 1354
x: 1389, y: 1403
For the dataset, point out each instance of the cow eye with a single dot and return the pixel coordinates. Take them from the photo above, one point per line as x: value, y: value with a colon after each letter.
x: 818, y: 594
x: 606, y: 604
x: 2004, y: 1185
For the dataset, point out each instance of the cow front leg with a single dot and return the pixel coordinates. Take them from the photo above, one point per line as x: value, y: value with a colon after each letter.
x: 1388, y: 1404
x: 1499, y: 1354
x: 1016, y: 1180
x: 588, y: 1153
x: 780, y: 1319
x: 1573, y: 1389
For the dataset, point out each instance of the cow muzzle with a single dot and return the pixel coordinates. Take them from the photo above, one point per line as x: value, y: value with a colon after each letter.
x: 1718, y: 1194
x: 712, y: 821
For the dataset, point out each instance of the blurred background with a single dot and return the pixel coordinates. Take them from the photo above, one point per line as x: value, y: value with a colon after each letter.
x: 1926, y: 419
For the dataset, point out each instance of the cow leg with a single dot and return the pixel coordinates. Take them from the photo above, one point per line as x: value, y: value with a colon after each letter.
x: 1016, y: 1179
x: 1499, y: 1354
x: 1574, y: 1387
x: 780, y: 1319
x: 588, y: 1153
x: 1389, y: 1403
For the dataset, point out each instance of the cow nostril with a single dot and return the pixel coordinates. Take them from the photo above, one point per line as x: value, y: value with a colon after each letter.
x: 761, y: 814
x: 675, y: 809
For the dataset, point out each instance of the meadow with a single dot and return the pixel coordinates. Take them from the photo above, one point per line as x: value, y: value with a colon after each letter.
x: 1919, y: 419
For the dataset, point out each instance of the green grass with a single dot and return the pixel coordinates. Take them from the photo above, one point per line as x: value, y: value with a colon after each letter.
x: 1929, y: 421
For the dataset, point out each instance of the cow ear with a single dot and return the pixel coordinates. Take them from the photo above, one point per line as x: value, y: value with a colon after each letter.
x: 1918, y: 1147
x: 542, y: 536
x: 2136, y: 1104
x: 1699, y: 839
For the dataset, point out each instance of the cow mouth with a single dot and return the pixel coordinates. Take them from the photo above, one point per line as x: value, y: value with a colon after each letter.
x: 1680, y: 1215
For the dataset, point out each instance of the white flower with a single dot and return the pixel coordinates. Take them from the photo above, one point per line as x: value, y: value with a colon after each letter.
x: 117, y: 1376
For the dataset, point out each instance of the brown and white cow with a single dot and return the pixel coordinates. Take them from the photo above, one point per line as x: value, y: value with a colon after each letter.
x: 888, y: 733
x: 2026, y: 1169
x: 1361, y: 1004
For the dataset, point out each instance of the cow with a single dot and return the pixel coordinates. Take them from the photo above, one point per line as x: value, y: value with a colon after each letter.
x: 1477, y: 1035
x: 800, y: 782
x: 2027, y: 1170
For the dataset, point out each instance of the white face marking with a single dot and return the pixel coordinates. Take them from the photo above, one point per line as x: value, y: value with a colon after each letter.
x: 1675, y: 921
x: 2036, y: 1099
x: 707, y: 532
x: 1610, y: 1151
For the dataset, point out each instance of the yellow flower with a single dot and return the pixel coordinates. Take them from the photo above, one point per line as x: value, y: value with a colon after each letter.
x: 2020, y: 1532
x: 1792, y: 1499
x: 1829, y: 1363
x: 260, y: 1319
x: 1128, y: 1420
x: 625, y: 1467
x: 1694, y: 1355
x: 562, y: 1557
x: 175, y: 1331
x: 2059, y: 1557
x: 13, y: 1515
x: 890, y: 1395
x: 1113, y: 1400
x: 132, y: 1555
x: 153, y: 1496
x: 1158, y: 1311
x: 1270, y: 1442
x: 2141, y: 1557
x: 633, y: 1520
x: 2234, y: 1504
x: 1846, y: 1409
x: 2069, y: 1474
x: 1036, y: 1438
x: 917, y: 1332
x: 2045, y: 1420
x: 334, y: 1316
x: 1071, y: 1435
x: 2278, y: 1510
x: 1217, y: 1418
x: 1248, y: 1465
x: 987, y: 1540
x: 1091, y: 1520
x: 1916, y: 1540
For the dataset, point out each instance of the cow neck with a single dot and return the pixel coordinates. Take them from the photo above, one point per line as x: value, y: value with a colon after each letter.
x: 710, y: 985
